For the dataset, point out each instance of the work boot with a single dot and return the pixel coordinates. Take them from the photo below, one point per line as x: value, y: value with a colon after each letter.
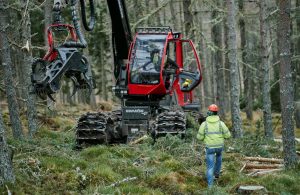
x: 217, y: 176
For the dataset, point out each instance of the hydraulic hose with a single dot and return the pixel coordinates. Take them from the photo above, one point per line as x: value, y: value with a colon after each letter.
x: 91, y: 25
x: 75, y: 19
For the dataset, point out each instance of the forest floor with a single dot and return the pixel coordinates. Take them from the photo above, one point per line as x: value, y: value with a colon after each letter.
x: 49, y: 164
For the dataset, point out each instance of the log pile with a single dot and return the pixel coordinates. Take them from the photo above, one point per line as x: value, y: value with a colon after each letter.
x: 257, y: 166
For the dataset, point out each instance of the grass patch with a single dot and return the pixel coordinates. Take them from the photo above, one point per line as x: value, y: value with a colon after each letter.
x: 48, y: 163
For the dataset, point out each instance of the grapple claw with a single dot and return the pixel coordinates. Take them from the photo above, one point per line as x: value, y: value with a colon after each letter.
x: 40, y: 95
x: 75, y: 85
x: 90, y: 90
x: 50, y: 96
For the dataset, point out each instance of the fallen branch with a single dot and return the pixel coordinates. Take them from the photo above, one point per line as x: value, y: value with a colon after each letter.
x: 139, y: 140
x: 252, y: 173
x: 122, y: 181
x: 243, y: 167
x: 8, y: 191
x: 260, y: 159
x: 298, y: 152
x: 280, y: 140
x: 263, y: 166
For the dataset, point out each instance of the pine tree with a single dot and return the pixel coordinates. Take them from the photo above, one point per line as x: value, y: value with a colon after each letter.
x: 265, y: 74
x: 26, y: 64
x: 218, y: 58
x: 286, y: 83
x: 234, y: 77
x: 6, y: 169
x: 13, y: 106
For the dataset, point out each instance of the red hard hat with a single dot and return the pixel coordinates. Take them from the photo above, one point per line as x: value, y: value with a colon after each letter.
x: 213, y: 108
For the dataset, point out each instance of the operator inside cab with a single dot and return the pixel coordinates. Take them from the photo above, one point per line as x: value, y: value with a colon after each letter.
x: 155, y: 61
x: 146, y: 59
x: 149, y: 72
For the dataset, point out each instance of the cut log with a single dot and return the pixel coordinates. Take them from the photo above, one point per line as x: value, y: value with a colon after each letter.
x: 260, y: 159
x: 298, y: 152
x: 260, y: 173
x: 251, y: 189
x: 263, y: 166
x: 259, y: 170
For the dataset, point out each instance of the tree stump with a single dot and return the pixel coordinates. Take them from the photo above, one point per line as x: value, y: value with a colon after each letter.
x: 251, y: 189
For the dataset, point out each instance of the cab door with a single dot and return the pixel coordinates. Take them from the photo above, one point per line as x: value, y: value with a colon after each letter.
x: 189, y: 74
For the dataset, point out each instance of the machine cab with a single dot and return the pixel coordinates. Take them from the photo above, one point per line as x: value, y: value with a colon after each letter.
x: 156, y: 63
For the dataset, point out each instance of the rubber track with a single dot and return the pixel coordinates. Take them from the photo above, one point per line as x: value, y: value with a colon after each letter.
x: 170, y: 122
x: 98, y: 128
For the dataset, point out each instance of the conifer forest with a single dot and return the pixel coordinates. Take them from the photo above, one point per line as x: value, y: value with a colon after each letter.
x: 132, y: 96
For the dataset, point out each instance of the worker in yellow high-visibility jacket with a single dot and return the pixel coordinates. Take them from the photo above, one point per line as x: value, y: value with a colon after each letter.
x: 213, y: 132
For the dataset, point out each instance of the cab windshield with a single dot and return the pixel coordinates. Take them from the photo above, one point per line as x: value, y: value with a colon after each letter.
x: 146, y: 59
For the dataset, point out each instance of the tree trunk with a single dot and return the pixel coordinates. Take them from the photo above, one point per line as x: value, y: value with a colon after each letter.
x: 275, y: 96
x: 265, y: 74
x: 202, y: 55
x: 234, y: 77
x: 247, y: 72
x: 6, y: 168
x: 158, y: 22
x: 48, y: 20
x: 173, y: 15
x: 26, y: 64
x: 218, y: 61
x: 286, y: 84
x: 16, y: 58
x: 188, y: 18
x: 226, y: 65
x: 9, y: 82
x: 297, y: 67
x: 297, y: 114
x: 181, y: 17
